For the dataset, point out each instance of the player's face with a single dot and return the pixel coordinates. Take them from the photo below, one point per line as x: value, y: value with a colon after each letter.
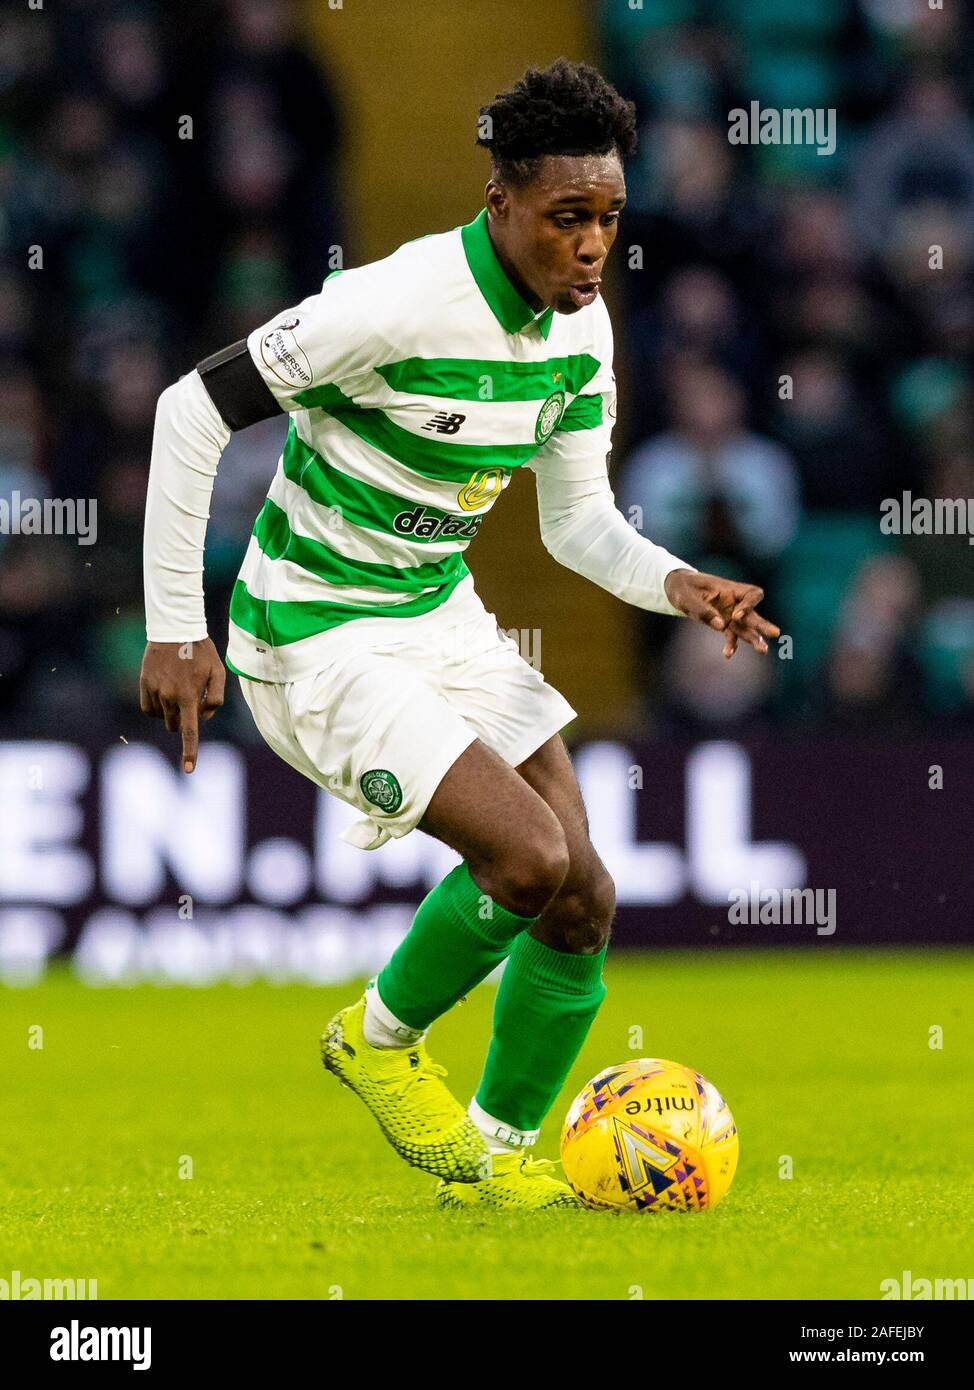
x: 554, y: 234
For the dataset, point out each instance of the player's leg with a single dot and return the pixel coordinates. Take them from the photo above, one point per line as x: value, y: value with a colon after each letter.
x: 515, y: 857
x: 579, y: 916
x: 517, y: 853
x: 371, y: 719
x: 552, y: 983
x: 548, y: 996
x: 552, y: 986
x: 376, y: 728
x: 514, y: 851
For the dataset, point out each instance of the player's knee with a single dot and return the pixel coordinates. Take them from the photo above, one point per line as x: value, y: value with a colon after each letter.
x: 602, y: 902
x: 580, y: 919
x: 534, y: 868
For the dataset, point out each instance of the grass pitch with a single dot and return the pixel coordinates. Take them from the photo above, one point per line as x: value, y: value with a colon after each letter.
x: 823, y: 1056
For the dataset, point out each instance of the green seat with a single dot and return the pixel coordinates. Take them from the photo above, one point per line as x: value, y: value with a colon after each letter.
x: 946, y: 653
x: 770, y: 21
x: 813, y: 577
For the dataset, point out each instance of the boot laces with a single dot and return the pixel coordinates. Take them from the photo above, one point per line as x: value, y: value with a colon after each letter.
x: 537, y: 1167
x: 409, y: 1088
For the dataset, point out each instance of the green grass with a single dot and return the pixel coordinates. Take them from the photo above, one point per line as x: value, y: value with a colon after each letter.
x: 822, y: 1055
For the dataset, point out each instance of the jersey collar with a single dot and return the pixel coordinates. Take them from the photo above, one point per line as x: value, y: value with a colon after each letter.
x: 512, y: 312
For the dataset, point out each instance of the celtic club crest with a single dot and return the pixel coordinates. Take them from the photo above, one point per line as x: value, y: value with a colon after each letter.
x: 382, y: 789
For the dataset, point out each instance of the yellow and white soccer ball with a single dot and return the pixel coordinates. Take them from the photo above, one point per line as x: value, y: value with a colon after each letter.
x: 650, y: 1135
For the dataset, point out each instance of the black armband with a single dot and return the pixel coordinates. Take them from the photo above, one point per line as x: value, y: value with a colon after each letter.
x: 236, y: 387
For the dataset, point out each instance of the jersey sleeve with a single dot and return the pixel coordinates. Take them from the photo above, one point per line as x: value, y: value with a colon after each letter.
x: 581, y: 527
x: 339, y: 332
x: 578, y: 448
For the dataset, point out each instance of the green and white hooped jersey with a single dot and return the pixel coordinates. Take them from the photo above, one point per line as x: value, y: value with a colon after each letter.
x: 415, y: 385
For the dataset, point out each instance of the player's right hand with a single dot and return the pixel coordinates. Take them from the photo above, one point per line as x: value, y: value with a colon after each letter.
x: 182, y: 683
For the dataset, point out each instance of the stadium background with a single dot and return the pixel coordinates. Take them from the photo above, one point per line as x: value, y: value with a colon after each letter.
x: 319, y: 132
x: 843, y: 767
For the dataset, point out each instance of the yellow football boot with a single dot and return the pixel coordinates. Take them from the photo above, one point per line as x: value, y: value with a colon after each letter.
x: 423, y: 1122
x: 518, y: 1183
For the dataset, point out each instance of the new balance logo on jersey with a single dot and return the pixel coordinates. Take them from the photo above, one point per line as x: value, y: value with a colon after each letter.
x: 445, y: 424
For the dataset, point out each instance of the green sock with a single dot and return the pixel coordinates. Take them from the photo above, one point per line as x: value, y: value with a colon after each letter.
x: 458, y: 936
x: 545, y: 1005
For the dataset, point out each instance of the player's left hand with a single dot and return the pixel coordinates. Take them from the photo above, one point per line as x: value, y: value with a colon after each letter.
x: 723, y: 604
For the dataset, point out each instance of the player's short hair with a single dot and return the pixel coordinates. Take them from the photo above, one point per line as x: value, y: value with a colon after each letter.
x: 567, y: 108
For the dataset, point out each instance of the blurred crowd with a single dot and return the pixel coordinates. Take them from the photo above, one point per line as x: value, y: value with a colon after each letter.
x: 793, y: 351
x: 130, y: 133
x: 799, y: 347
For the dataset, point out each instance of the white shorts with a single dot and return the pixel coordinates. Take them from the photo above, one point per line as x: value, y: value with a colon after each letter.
x: 398, y: 701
